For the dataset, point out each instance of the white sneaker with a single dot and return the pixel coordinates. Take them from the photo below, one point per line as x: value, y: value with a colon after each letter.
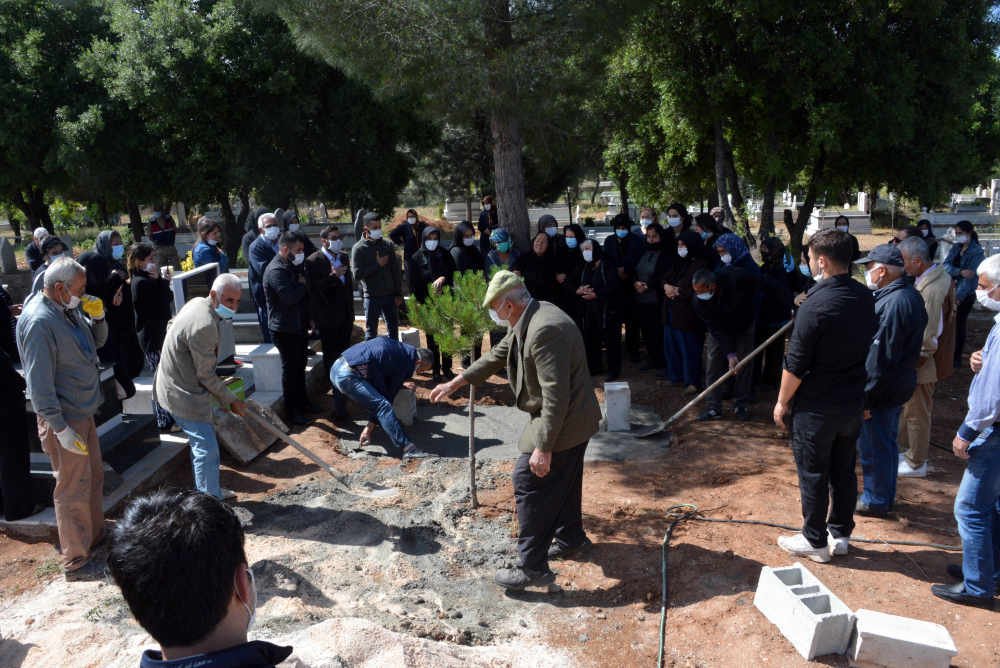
x: 800, y: 547
x: 907, y: 471
x: 227, y: 494
x: 838, y: 546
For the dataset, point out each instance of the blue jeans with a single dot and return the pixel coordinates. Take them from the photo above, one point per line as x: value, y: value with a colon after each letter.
x: 879, y: 455
x: 683, y: 351
x: 347, y: 383
x: 385, y: 306
x: 262, y: 321
x: 204, y: 455
x: 977, y: 510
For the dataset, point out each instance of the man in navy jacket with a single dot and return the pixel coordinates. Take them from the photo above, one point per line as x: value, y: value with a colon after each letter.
x: 262, y: 251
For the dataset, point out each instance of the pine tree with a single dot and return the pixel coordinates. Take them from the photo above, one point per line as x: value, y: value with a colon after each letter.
x: 457, y: 320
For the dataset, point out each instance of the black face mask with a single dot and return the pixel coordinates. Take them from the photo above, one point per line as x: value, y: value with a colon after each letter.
x: 656, y: 248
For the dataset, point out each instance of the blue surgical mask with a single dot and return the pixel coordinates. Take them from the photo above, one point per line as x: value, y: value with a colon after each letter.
x: 706, y: 296
x: 570, y: 242
x: 224, y: 312
x: 503, y: 247
x: 621, y: 233
x: 117, y: 251
x: 806, y: 271
x: 704, y: 235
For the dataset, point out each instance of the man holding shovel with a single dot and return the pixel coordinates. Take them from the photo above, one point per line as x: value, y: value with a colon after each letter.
x: 185, y: 380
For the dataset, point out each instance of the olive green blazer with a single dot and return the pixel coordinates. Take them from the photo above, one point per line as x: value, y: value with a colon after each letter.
x: 550, y: 379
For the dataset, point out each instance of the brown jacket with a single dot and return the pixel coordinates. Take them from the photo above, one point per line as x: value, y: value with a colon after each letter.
x: 938, y: 292
x: 548, y: 372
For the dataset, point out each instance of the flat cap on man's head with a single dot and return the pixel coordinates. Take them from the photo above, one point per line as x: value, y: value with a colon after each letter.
x: 502, y: 282
x: 885, y: 254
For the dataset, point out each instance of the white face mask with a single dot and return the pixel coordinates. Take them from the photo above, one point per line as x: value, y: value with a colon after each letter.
x: 411, y: 221
x: 294, y: 227
x: 212, y: 242
x: 726, y: 259
x: 375, y: 234
x: 74, y: 301
x: 983, y: 297
x: 704, y: 296
x: 151, y: 266
x: 431, y: 244
x: 299, y: 258
x: 336, y: 245
x: 469, y: 241
x: 924, y: 233
x: 253, y: 588
x: 682, y: 252
x: 645, y: 222
x: 588, y: 256
x: 487, y: 206
x: 674, y: 221
x: 272, y: 233
x: 872, y: 285
x: 842, y: 228
x: 551, y: 231
x: 496, y: 318
x: 961, y: 239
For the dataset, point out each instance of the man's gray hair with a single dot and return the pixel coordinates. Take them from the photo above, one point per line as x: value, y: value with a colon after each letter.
x: 40, y: 233
x: 264, y: 217
x: 915, y: 248
x: 991, y: 268
x: 425, y: 355
x: 64, y: 270
x: 227, y: 282
x: 516, y: 295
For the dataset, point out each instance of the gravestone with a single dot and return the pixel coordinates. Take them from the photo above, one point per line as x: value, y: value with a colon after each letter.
x: 863, y: 202
x: 322, y: 213
x: 618, y: 404
x: 67, y: 242
x: 405, y: 407
x: 8, y: 260
x: 410, y: 337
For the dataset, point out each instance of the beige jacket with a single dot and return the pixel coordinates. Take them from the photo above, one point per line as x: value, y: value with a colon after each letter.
x: 549, y: 375
x: 938, y: 292
x: 185, y: 378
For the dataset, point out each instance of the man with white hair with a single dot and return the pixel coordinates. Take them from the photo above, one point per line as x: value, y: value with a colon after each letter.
x: 547, y: 367
x: 33, y: 251
x: 978, y: 443
x: 58, y: 336
x: 186, y: 381
x: 262, y: 251
x: 892, y: 375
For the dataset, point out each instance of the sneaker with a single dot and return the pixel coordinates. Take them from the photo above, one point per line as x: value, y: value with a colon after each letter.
x: 907, y: 471
x: 227, y: 494
x: 863, y: 510
x: 690, y: 391
x: 743, y: 414
x: 557, y: 551
x: 710, y: 414
x: 91, y: 571
x: 413, y: 452
x: 838, y: 546
x: 798, y: 545
x: 519, y: 578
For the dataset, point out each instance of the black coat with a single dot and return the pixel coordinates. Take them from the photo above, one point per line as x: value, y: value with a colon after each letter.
x: 33, y: 254
x: 286, y: 297
x: 730, y: 311
x: 793, y: 280
x: 331, y: 300
x: 539, y: 275
x: 594, y: 313
x: 151, y: 302
x: 12, y: 387
x: 428, y: 267
x: 664, y: 261
x: 488, y: 221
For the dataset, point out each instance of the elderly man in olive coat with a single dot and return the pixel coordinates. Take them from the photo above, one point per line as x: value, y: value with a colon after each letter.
x: 547, y: 368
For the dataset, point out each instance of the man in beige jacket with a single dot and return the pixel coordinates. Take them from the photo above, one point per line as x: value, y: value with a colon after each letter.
x: 186, y: 381
x: 547, y: 368
x: 938, y: 292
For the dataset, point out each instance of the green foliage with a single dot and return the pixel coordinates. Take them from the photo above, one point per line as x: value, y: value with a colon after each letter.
x: 456, y: 317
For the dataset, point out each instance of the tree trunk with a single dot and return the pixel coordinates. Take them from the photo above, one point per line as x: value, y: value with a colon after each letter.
x: 468, y: 207
x: 15, y: 226
x: 794, y: 242
x: 135, y: 220
x: 713, y: 200
x: 623, y: 191
x: 740, y: 208
x: 597, y: 185
x: 241, y: 222
x: 767, y: 211
x: 102, y: 211
x: 569, y: 205
x: 798, y: 229
x: 229, y: 228
x: 720, y: 176
x: 512, y: 204
x: 35, y: 210
x: 31, y: 222
x: 472, y: 437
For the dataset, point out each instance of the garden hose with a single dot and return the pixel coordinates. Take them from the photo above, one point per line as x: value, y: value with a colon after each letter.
x: 693, y: 515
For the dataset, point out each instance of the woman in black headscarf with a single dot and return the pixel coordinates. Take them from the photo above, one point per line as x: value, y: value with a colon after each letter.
x: 843, y: 224
x: 109, y: 246
x: 648, y: 295
x: 537, y: 268
x: 683, y: 330
x: 463, y: 248
x: 927, y: 234
x: 103, y: 283
x: 567, y: 261
x: 595, y: 287
x: 432, y: 268
x: 290, y: 223
x: 777, y: 264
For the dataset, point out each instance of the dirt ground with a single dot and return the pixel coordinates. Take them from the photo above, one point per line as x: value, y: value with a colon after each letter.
x: 419, y: 564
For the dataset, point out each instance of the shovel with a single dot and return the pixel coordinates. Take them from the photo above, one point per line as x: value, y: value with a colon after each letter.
x: 656, y: 429
x: 374, y: 491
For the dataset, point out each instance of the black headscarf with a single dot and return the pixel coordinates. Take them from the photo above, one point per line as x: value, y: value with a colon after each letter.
x: 287, y: 219
x: 429, y: 230
x: 458, y: 242
x: 580, y: 236
x: 597, y: 256
x: 695, y: 247
x: 660, y: 245
x: 621, y: 220
x: 98, y: 270
x: 772, y: 252
x: 251, y: 225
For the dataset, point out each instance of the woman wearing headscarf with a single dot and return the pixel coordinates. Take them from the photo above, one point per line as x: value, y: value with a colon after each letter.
x: 550, y: 227
x: 489, y: 222
x: 502, y: 256
x: 568, y: 261
x: 463, y: 248
x: 110, y: 289
x: 843, y: 224
x: 649, y: 271
x: 778, y: 265
x: 252, y: 231
x: 409, y: 236
x: 290, y: 223
x: 733, y: 252
x: 151, y: 297
x: 623, y: 250
x: 683, y: 330
x: 537, y: 269
x: 709, y: 229
x: 432, y: 268
x: 109, y: 246
x: 595, y: 289
x: 927, y: 234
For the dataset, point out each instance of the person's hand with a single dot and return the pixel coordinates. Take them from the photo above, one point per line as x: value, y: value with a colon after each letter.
x: 118, y: 297
x: 340, y: 271
x: 121, y: 273
x: 16, y: 309
x: 976, y: 361
x: 733, y: 361
x: 671, y: 291
x: 560, y: 278
x: 780, y: 410
x: 582, y: 290
x: 399, y: 301
x: 517, y: 272
x: 960, y: 447
x: 868, y: 414
x: 151, y: 270
x: 383, y: 259
x: 438, y: 283
x: 621, y: 272
x: 93, y: 307
x: 540, y: 463
x: 445, y: 390
x: 800, y: 299
x: 640, y: 287
x: 590, y: 295
x: 966, y: 273
x: 409, y: 385
x: 238, y: 407
x: 366, y: 436
x: 302, y: 278
x: 71, y: 441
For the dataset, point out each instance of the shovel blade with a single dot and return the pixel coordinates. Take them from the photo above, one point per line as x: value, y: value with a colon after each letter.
x: 651, y: 431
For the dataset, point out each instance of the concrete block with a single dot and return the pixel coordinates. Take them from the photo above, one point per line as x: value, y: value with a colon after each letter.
x: 266, y: 368
x: 888, y: 641
x: 405, y: 407
x: 618, y: 404
x: 243, y: 438
x: 410, y: 336
x: 814, y: 620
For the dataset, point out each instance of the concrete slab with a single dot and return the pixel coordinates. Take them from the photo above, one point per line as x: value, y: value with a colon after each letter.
x: 445, y: 432
x: 41, y: 524
x: 888, y: 641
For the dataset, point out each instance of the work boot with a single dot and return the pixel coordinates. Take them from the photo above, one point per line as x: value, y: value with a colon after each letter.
x: 519, y: 578
x: 838, y: 546
x: 907, y: 471
x: 710, y: 414
x: 956, y: 594
x: 557, y: 551
x: 798, y: 546
x: 863, y: 510
x: 91, y: 571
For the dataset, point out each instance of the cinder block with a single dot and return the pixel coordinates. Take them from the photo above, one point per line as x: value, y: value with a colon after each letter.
x: 410, y: 336
x: 814, y: 620
x: 266, y: 363
x: 888, y: 641
x: 405, y: 407
x: 618, y: 404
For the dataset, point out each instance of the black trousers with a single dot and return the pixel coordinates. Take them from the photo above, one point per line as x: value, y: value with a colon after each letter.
x: 767, y: 365
x: 652, y: 332
x: 613, y: 342
x: 335, y: 340
x: 825, y: 447
x: 440, y: 361
x: 292, y: 348
x: 16, y: 500
x: 630, y: 318
x: 964, y: 309
x: 549, y: 507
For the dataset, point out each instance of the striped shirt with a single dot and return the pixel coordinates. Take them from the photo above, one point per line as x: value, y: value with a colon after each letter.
x: 984, y: 393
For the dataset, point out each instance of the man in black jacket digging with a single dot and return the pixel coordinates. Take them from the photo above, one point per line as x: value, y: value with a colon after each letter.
x: 724, y: 301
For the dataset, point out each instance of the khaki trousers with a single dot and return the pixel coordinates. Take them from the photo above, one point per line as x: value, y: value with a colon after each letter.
x: 166, y: 256
x: 79, y: 491
x: 915, y: 425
